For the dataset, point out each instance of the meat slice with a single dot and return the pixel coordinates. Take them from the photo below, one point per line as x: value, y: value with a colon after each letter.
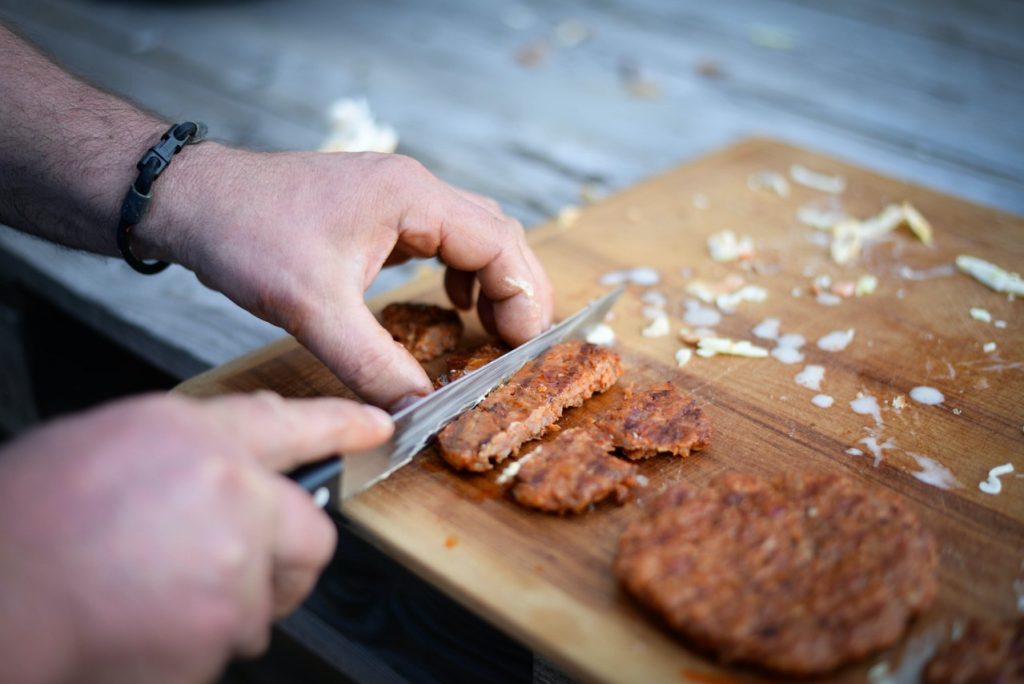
x: 986, y: 652
x: 468, y: 360
x: 571, y: 472
x: 427, y: 331
x: 800, y: 574
x: 528, y: 404
x: 660, y: 419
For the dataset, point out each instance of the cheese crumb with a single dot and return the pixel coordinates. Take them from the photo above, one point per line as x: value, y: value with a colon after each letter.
x: 524, y: 286
x: 769, y: 180
x: 993, y: 485
x: 683, y: 356
x: 512, y: 469
x: 980, y: 314
x: 991, y: 275
x: 601, y: 334
x: 568, y: 216
x: 836, y: 341
x: 749, y: 293
x: 659, y: 327
x: 817, y: 181
x: 988, y: 347
x: 724, y: 246
x: 710, y: 346
x: 866, y: 285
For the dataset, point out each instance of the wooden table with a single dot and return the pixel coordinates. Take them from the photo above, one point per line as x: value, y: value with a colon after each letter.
x: 547, y: 580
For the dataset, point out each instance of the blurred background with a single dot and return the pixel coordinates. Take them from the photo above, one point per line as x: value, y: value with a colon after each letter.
x: 542, y: 105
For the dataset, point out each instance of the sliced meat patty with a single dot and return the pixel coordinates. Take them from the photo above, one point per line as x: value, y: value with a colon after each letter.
x: 799, y: 574
x: 427, y: 331
x: 528, y: 404
x: 463, y: 362
x: 660, y: 419
x: 572, y: 472
x: 986, y: 652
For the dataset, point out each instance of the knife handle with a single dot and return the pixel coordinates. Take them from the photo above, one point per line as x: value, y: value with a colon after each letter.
x: 321, y: 479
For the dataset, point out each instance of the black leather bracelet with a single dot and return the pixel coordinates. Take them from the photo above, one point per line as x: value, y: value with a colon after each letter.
x: 136, y: 202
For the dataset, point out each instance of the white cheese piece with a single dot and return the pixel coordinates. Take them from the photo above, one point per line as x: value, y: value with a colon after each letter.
x: 866, y: 285
x: 787, y: 355
x: 512, y: 469
x: 601, y: 334
x: 683, y: 356
x: 836, y: 341
x: 747, y: 293
x: 993, y: 485
x: 710, y: 346
x: 988, y: 347
x: 524, y: 286
x: 769, y: 180
x: 353, y: 129
x: 822, y: 219
x: 768, y: 329
x: 724, y: 246
x: 867, y: 405
x: 991, y: 275
x: 701, y: 316
x: 823, y: 401
x: 828, y: 299
x: 918, y: 224
x: 980, y: 314
x: 810, y: 377
x: 659, y: 327
x: 817, y: 181
x: 929, y: 396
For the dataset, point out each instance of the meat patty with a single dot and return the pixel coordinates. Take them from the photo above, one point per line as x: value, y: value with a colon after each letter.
x: 571, y: 472
x: 528, y: 404
x: 986, y: 652
x: 468, y: 360
x: 660, y: 419
x: 799, y: 574
x: 427, y: 331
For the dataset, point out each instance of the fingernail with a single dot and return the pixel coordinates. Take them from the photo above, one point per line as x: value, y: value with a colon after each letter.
x: 405, y: 402
x: 377, y: 415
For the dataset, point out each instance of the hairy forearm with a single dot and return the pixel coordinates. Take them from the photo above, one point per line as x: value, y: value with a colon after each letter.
x: 68, y: 153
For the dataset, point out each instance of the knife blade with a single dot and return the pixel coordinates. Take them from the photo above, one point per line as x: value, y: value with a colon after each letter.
x: 337, y: 479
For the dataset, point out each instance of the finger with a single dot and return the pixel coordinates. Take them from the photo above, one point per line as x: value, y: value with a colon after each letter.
x: 370, y: 363
x: 485, y: 310
x: 495, y: 249
x: 284, y: 433
x: 303, y: 544
x: 459, y: 286
x: 483, y: 201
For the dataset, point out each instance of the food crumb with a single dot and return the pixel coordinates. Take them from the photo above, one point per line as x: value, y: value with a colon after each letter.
x: 866, y: 285
x: 683, y: 356
x: 711, y: 346
x: 822, y: 400
x: 993, y: 485
x: 724, y: 246
x: 979, y: 314
x: 524, y: 286
x: 1000, y: 324
x: 957, y: 412
x: 990, y: 275
x: 804, y: 176
x: 769, y: 180
x: 836, y: 341
x: 659, y: 327
x: 568, y: 216
x: 450, y: 541
x: 988, y: 347
x: 601, y: 334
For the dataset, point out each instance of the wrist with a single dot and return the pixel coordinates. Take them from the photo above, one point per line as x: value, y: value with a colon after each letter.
x: 183, y: 204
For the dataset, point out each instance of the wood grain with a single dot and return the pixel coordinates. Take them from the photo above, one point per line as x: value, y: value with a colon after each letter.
x: 547, y: 580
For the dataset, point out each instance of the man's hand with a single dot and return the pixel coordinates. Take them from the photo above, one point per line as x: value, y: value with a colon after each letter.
x: 151, y: 540
x: 296, y: 238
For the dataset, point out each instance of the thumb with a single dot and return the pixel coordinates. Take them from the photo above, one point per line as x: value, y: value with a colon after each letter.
x: 350, y: 341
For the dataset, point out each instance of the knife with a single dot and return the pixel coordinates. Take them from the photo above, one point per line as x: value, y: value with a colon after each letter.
x: 335, y: 479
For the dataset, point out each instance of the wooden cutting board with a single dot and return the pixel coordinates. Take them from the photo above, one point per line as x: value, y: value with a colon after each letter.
x: 547, y: 580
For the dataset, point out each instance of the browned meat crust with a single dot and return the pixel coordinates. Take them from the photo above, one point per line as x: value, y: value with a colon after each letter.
x: 528, y: 404
x: 427, y: 331
x: 799, y: 574
x: 988, y: 653
x: 468, y: 360
x: 572, y: 472
x: 660, y: 419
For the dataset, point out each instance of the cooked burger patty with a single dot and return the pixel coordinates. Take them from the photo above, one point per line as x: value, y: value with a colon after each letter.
x: 427, y: 331
x: 660, y: 419
x: 986, y: 652
x: 799, y: 574
x: 571, y: 472
x: 528, y: 404
x: 463, y: 362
